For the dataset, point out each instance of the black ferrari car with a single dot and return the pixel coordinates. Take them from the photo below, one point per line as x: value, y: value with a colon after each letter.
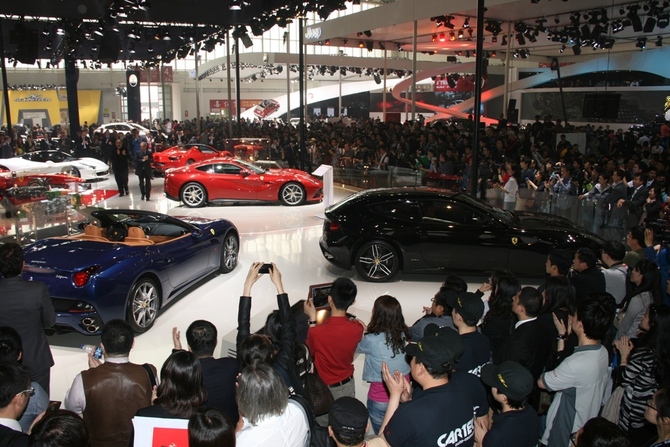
x: 383, y: 231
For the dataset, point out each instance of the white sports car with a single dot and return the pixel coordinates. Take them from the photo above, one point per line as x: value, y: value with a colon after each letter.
x: 86, y: 168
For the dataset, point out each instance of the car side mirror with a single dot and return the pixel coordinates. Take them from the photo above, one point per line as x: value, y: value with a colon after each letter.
x: 245, y: 173
x: 196, y: 233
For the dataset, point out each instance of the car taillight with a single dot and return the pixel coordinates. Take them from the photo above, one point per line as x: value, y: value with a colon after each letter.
x: 333, y: 226
x: 81, y: 277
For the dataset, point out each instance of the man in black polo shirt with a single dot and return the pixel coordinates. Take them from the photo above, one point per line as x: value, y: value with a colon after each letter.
x: 467, y: 310
x: 518, y: 425
x: 441, y: 413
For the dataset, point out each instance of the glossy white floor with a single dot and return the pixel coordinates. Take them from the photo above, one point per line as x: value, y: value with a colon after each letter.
x: 271, y: 233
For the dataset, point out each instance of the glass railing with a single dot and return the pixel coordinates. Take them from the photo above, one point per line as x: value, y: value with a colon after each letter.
x: 610, y: 223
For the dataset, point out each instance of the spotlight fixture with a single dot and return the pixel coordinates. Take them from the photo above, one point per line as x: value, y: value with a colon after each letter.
x: 235, y: 5
x: 368, y: 33
x: 470, y: 33
x: 327, y: 42
x: 434, y: 38
x: 577, y: 49
x: 635, y: 19
x: 516, y: 53
x: 504, y: 40
x: 452, y: 36
x: 562, y: 49
x: 443, y: 37
x: 663, y: 20
x: 361, y: 44
x: 649, y: 25
x: 641, y: 43
x: 493, y: 53
x: 344, y: 42
x: 659, y: 41
x: 557, y: 20
x: 460, y: 34
x: 381, y: 46
x: 466, y: 22
x: 520, y: 39
x: 369, y: 45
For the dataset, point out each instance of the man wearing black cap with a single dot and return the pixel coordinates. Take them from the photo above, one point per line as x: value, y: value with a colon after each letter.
x: 518, y: 425
x: 443, y: 412
x: 348, y: 423
x: 467, y: 310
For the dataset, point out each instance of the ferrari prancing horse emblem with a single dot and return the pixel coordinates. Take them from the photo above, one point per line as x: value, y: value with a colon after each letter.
x: 515, y: 240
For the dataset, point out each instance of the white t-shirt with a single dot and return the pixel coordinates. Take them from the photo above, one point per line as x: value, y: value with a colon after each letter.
x: 512, y: 187
x: 290, y: 429
x: 579, y: 382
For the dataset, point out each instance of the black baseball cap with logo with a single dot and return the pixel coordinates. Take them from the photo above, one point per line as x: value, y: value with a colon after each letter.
x: 509, y: 378
x: 438, y: 346
x: 467, y: 304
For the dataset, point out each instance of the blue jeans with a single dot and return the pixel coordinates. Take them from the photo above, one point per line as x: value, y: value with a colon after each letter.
x: 377, y: 411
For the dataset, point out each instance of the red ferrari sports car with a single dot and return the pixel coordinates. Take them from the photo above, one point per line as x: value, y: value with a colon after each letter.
x: 266, y: 108
x: 229, y: 179
x: 177, y: 156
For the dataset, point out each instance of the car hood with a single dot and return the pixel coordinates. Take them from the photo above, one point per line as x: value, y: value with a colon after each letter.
x: 93, y: 163
x: 542, y: 221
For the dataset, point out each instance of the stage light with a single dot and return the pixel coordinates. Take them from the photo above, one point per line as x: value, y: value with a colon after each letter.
x: 466, y: 22
x: 361, y: 44
x: 504, y: 40
x: 649, y: 25
x: 641, y: 43
x: 434, y: 38
x: 452, y: 36
x: 659, y: 41
x: 460, y: 34
x: 562, y: 49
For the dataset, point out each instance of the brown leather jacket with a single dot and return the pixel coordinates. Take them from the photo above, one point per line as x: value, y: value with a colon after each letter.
x: 114, y: 392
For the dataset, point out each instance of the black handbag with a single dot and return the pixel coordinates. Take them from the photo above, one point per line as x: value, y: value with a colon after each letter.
x: 317, y: 393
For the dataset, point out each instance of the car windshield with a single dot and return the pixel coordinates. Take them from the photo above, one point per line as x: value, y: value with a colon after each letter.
x: 255, y: 169
x: 62, y: 156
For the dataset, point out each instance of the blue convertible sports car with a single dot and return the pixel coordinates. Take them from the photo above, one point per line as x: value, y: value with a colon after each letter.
x: 129, y: 266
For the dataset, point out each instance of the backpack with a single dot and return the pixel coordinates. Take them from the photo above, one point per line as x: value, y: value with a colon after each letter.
x: 318, y: 435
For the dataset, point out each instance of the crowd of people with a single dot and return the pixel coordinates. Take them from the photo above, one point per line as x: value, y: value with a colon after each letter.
x: 563, y: 364
x: 581, y: 360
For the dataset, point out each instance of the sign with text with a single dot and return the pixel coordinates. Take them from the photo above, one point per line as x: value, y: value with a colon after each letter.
x: 154, y: 75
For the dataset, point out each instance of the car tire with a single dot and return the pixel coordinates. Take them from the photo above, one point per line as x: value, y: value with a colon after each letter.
x: 193, y: 195
x: 38, y: 182
x: 292, y: 194
x: 143, y: 305
x: 377, y: 261
x: 72, y: 170
x: 230, y: 249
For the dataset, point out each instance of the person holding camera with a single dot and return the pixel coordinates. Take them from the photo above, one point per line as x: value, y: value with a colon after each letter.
x: 333, y: 343
x: 277, y: 345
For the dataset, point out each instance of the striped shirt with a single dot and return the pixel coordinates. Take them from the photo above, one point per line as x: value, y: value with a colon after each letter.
x: 640, y: 384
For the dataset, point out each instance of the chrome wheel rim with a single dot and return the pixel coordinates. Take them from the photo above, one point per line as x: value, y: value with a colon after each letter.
x: 193, y: 195
x: 145, y: 304
x: 377, y: 262
x: 230, y: 251
x: 292, y: 194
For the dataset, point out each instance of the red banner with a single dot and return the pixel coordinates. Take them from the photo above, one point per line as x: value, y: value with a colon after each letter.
x: 153, y: 75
